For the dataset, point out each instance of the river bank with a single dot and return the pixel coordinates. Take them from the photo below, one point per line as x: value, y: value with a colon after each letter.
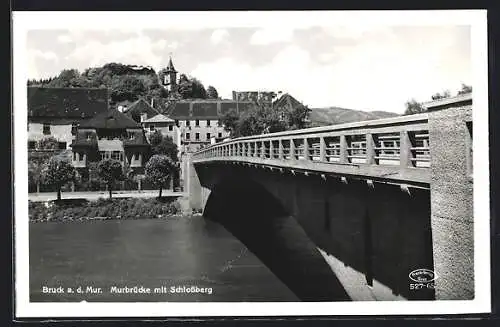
x: 108, y: 209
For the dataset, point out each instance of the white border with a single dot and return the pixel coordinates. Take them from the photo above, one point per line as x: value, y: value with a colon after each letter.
x: 24, y: 21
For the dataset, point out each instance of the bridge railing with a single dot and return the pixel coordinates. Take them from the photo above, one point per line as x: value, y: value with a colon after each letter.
x: 401, y: 141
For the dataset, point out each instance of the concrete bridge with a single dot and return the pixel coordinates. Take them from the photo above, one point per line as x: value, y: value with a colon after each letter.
x: 346, y: 212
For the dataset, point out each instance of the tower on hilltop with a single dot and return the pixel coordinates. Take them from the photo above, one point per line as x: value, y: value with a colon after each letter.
x: 170, y: 78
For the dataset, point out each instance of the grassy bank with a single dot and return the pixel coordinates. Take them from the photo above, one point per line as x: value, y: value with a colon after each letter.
x: 130, y: 208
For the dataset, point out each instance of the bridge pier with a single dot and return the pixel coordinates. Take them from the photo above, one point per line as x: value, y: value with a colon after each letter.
x: 450, y: 142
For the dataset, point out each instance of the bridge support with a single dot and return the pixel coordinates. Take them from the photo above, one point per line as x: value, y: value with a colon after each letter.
x: 451, y: 204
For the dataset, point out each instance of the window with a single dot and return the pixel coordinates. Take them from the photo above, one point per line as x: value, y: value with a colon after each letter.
x: 197, y: 136
x: 197, y: 123
x: 81, y: 155
x: 116, y: 155
x: 62, y: 145
x: 152, y: 128
x: 46, y: 129
x: 219, y: 135
x: 74, y: 127
x: 188, y: 123
x: 170, y: 127
x: 131, y: 135
x: 208, y: 136
x: 136, y: 156
x: 208, y: 122
x: 188, y: 136
x: 177, y: 122
x: 31, y: 145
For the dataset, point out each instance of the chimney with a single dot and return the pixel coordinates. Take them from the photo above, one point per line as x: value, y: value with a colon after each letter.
x: 152, y: 103
x: 144, y: 116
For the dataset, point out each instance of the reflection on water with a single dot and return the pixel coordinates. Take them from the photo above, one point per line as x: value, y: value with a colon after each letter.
x: 184, y: 251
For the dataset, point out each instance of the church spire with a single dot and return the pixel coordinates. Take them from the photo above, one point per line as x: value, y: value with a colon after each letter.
x: 170, y: 67
x: 170, y: 79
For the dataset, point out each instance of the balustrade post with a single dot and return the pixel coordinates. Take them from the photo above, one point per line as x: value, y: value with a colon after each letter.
x: 271, y: 150
x: 322, y: 149
x: 263, y: 149
x: 292, y: 149
x: 370, y: 149
x: 256, y: 149
x: 280, y: 149
x: 405, y: 154
x: 343, y: 149
x: 306, y: 149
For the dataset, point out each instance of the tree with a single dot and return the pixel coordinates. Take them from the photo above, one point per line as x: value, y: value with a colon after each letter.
x: 163, y: 145
x: 128, y: 87
x: 110, y: 171
x: 465, y: 89
x: 191, y: 88
x: 57, y: 173
x: 185, y: 88
x: 442, y: 95
x: 48, y: 143
x: 66, y: 78
x: 230, y: 121
x: 35, y: 172
x: 297, y: 117
x: 159, y: 170
x: 414, y: 107
x: 212, y: 92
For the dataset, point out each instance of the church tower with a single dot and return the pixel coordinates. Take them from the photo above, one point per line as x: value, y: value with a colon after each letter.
x: 170, y: 78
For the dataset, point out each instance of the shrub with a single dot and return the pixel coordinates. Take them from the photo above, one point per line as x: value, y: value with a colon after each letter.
x: 130, y: 208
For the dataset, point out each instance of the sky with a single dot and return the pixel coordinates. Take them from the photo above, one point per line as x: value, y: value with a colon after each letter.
x: 351, y: 66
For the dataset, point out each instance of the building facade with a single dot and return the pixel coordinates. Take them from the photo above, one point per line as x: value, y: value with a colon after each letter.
x: 57, y: 112
x: 165, y: 125
x: 110, y: 135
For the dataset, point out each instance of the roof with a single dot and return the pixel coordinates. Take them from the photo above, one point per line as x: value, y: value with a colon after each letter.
x: 204, y: 108
x: 286, y: 101
x: 112, y: 119
x: 139, y: 107
x: 159, y: 119
x: 110, y: 145
x: 170, y: 67
x: 76, y: 103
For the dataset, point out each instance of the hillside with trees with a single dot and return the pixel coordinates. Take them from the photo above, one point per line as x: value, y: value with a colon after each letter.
x: 128, y: 83
x: 415, y: 107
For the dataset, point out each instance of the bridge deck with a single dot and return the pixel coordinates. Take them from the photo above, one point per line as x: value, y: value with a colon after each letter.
x: 391, y: 150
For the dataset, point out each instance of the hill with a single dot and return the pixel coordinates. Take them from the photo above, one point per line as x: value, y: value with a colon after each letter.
x: 336, y: 115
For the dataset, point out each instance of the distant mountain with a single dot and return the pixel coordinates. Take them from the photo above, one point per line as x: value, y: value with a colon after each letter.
x: 336, y: 115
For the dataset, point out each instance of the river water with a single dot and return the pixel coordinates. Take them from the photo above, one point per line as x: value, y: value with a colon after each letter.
x: 164, y: 254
